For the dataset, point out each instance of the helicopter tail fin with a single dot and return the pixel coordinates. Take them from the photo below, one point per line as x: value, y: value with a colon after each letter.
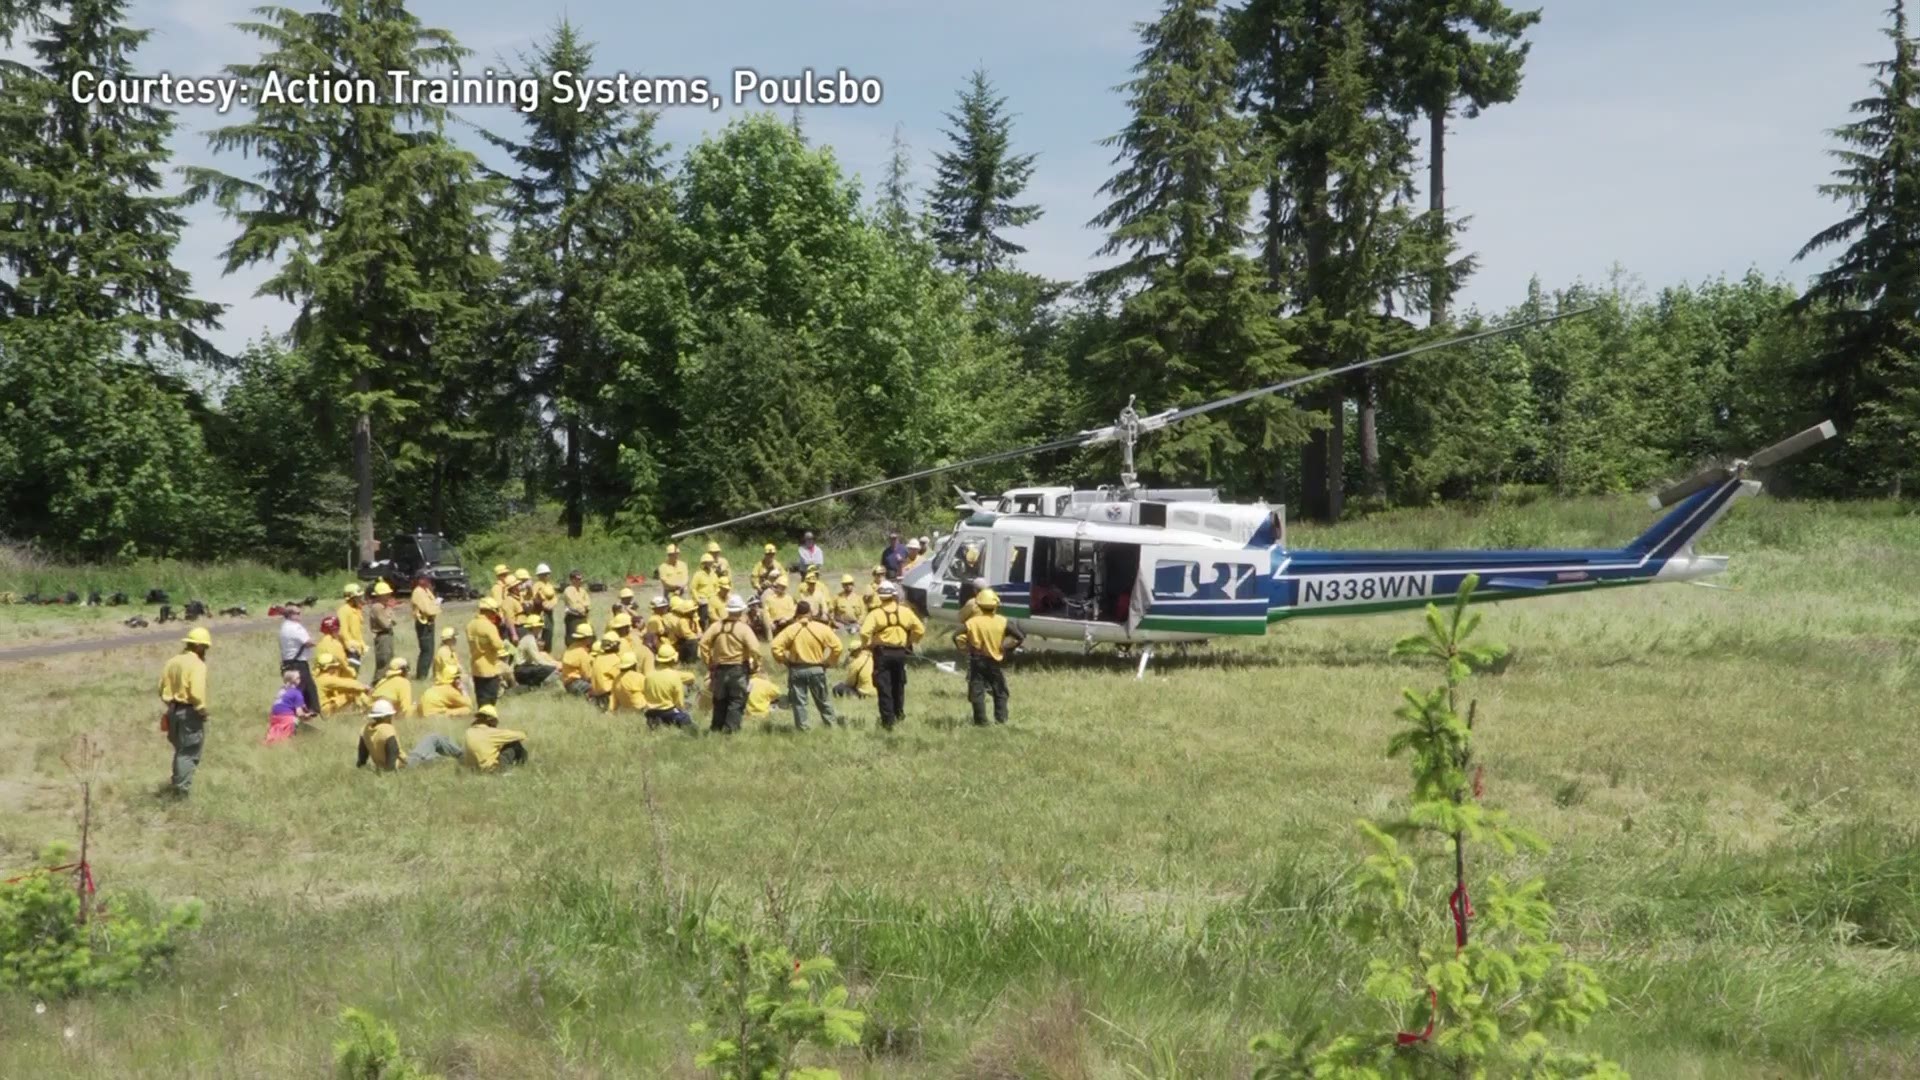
x: 1675, y: 533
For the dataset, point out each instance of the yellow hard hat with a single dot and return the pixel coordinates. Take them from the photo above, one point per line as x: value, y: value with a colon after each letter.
x: 987, y: 599
x: 522, y: 575
x: 683, y: 604
x: 666, y: 655
x: 487, y: 711
x: 628, y: 660
x: 322, y: 658
x: 713, y: 547
x: 198, y: 636
x: 383, y: 589
x: 770, y: 549
x: 706, y: 560
x: 626, y: 594
x: 533, y: 622
x: 846, y: 579
x: 488, y: 603
x: 879, y: 571
x: 813, y: 572
x: 583, y: 631
x: 447, y: 634
x: 620, y: 621
x: 352, y: 589
x: 609, y: 638
x: 673, y: 549
x: 501, y: 568
x: 397, y: 665
x: 780, y: 581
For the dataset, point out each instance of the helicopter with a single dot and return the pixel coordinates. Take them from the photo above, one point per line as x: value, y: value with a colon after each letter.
x: 1133, y: 566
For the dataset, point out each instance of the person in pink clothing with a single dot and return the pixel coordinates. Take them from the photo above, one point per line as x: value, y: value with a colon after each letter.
x: 288, y: 709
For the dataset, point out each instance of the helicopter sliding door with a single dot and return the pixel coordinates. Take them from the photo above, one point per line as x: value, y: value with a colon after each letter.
x: 1082, y: 580
x: 1204, y: 590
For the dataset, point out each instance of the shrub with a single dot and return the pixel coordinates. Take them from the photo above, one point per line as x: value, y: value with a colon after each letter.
x: 763, y: 1006
x: 49, y: 950
x: 367, y: 1048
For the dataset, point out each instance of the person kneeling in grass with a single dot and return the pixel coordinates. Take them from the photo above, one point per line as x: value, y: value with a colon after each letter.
x: 763, y: 696
x: 533, y: 666
x: 394, y: 687
x: 664, y: 691
x: 859, y: 680
x: 338, y: 688
x: 489, y: 745
x: 445, y: 698
x: 576, y: 664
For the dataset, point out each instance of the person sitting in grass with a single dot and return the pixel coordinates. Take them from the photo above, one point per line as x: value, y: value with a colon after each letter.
x: 859, y: 680
x: 664, y: 692
x: 395, y: 687
x: 338, y: 688
x: 533, y: 665
x: 489, y: 745
x: 288, y: 709
x: 627, y: 696
x: 445, y: 698
x: 576, y: 664
x: 606, y: 670
x: 380, y: 743
x: 445, y: 658
x: 763, y: 696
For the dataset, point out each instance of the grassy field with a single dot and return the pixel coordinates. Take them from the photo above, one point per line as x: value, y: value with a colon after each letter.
x: 1129, y: 880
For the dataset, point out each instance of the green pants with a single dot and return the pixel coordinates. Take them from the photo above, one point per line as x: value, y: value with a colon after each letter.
x: 382, y: 655
x: 187, y: 731
x: 985, y: 677
x: 729, y: 697
x: 804, y: 681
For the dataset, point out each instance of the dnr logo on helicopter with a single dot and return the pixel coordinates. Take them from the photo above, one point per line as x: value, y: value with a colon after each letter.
x: 1362, y: 588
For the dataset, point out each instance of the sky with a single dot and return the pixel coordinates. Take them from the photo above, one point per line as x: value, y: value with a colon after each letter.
x: 1677, y: 139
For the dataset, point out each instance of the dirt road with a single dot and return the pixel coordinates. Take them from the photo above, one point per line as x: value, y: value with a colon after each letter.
x: 222, y: 628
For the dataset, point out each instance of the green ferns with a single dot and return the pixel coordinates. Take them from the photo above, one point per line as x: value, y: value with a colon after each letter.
x: 1488, y: 1006
x: 50, y: 948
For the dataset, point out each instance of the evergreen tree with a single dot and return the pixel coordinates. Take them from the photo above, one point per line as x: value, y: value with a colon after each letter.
x: 1198, y: 324
x: 896, y: 191
x: 1448, y: 53
x: 85, y: 229
x: 554, y: 289
x: 380, y: 226
x: 1869, y: 298
x: 973, y: 200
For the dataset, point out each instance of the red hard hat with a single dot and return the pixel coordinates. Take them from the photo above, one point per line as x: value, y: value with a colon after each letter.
x: 329, y: 625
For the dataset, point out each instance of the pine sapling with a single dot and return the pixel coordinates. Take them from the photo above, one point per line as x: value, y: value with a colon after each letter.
x: 1490, y: 1007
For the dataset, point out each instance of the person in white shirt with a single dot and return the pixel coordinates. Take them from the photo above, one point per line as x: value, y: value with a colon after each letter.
x: 296, y: 654
x: 810, y: 553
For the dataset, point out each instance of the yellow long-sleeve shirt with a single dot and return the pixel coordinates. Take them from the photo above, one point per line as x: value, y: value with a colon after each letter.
x: 892, y: 625
x: 778, y: 608
x: 444, y: 699
x: 545, y: 597
x: 576, y: 663
x: 484, y: 743
x: 353, y: 627
x: 578, y: 600
x: 606, y: 669
x: 807, y: 643
x: 665, y: 688
x: 860, y: 673
x: 985, y: 635
x: 380, y: 746
x: 717, y: 607
x: 672, y: 574
x: 183, y: 681
x: 729, y: 641
x: 871, y: 598
x: 764, y: 571
x: 445, y: 660
x: 703, y: 585
x: 664, y: 627
x: 628, y: 692
x: 762, y: 692
x: 397, y: 689
x: 485, y: 650
x: 722, y: 569
x: 426, y: 606
x: 848, y: 607
x: 816, y: 596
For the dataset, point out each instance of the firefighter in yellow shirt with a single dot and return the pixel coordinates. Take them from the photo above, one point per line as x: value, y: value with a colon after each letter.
x: 379, y: 742
x: 664, y: 693
x: 846, y: 609
x: 576, y: 664
x: 729, y: 649
x: 444, y: 697
x: 717, y: 607
x: 627, y: 695
x: 686, y: 616
x: 808, y: 648
x: 762, y: 695
x: 813, y: 594
x: 330, y: 638
x: 987, y: 638
x: 545, y: 603
x: 445, y: 658
x: 578, y: 602
x: 426, y: 609
x: 489, y: 745
x: 778, y: 606
x: 721, y: 567
x: 661, y: 627
x: 766, y: 569
x: 872, y: 594
x: 627, y: 603
x: 353, y: 625
x: 486, y: 652
x: 514, y: 607
x: 704, y: 584
x: 891, y: 631
x: 338, y: 688
x: 183, y: 693
x: 394, y: 687
x: 859, y: 680
x: 672, y: 573
x: 502, y: 582
x: 606, y: 669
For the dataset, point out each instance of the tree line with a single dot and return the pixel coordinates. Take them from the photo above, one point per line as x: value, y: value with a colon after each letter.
x: 651, y: 337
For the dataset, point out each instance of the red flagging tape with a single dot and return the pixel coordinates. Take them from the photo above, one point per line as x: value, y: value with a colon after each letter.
x: 86, y: 875
x: 1462, y: 907
x: 1408, y: 1038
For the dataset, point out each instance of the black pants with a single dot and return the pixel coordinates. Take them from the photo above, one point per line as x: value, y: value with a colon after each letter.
x: 890, y: 679
x: 572, y: 621
x: 688, y: 650
x: 985, y: 677
x: 546, y: 633
x: 486, y: 690
x: 307, y: 689
x: 532, y: 674
x: 729, y: 697
x: 423, y: 634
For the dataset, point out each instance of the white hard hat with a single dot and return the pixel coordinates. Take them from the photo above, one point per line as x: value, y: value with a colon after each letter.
x: 979, y: 583
x: 887, y: 588
x: 913, y: 545
x: 736, y: 605
x: 382, y: 708
x: 543, y: 568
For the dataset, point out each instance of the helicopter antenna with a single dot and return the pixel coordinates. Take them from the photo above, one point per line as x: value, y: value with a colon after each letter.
x: 1127, y: 429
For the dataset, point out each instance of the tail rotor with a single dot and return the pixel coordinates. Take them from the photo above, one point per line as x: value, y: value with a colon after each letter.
x: 1719, y: 474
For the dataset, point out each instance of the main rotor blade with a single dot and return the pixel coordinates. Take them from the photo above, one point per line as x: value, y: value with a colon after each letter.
x: 1788, y: 447
x: 1111, y: 432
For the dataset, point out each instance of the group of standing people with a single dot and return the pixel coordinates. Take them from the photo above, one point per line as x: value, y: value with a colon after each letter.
x: 641, y: 661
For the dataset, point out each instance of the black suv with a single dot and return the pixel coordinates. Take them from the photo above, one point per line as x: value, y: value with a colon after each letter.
x: 410, y: 555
